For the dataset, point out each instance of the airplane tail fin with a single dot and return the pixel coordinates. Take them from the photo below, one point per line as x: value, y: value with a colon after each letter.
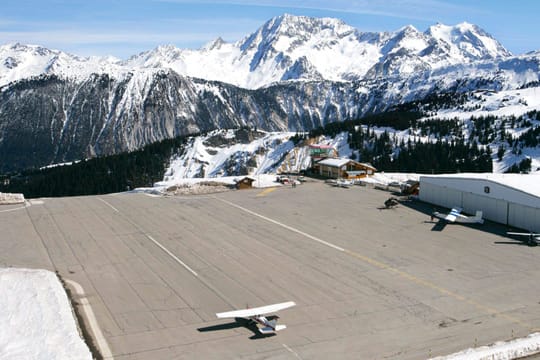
x: 270, y: 330
x: 478, y: 217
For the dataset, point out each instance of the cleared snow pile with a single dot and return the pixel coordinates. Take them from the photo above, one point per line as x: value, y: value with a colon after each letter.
x: 36, y: 316
x: 194, y: 188
x: 500, y: 350
x: 387, y: 179
x: 8, y: 198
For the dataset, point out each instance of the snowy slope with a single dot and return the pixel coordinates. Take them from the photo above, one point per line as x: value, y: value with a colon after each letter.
x: 36, y: 316
x: 502, y: 105
x: 272, y: 153
x: 204, y: 158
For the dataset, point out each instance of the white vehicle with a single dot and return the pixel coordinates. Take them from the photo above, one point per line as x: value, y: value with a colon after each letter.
x: 455, y: 215
x: 256, y: 315
x: 533, y: 239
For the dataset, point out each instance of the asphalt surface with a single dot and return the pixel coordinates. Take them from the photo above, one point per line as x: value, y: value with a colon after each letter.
x: 369, y: 283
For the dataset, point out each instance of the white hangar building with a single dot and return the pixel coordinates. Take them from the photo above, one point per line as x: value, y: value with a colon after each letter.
x: 511, y: 199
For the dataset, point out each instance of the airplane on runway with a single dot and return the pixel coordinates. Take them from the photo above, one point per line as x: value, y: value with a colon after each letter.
x: 256, y: 315
x: 533, y: 239
x: 455, y: 215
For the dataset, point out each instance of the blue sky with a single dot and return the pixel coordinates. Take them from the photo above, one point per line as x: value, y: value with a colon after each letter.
x: 126, y: 27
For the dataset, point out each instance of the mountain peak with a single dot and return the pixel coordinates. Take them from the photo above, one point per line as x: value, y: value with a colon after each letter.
x: 469, y: 40
x: 214, y: 44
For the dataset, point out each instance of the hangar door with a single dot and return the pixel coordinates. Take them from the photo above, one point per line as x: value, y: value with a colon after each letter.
x: 524, y: 217
x: 440, y: 195
x: 493, y: 209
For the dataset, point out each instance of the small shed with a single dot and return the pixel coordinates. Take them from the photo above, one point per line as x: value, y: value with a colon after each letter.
x: 344, y: 168
x: 244, y: 183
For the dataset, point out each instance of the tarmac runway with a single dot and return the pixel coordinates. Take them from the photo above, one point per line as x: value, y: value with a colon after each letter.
x: 369, y: 283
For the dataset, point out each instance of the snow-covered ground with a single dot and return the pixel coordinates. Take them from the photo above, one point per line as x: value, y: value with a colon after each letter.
x: 502, y: 350
x: 9, y: 198
x: 185, y: 186
x: 36, y: 317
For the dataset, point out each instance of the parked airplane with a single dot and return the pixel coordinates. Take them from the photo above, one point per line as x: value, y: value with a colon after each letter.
x: 455, y: 215
x: 533, y: 239
x: 256, y: 315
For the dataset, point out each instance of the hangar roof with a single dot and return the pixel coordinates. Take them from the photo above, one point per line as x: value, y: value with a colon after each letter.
x: 528, y: 183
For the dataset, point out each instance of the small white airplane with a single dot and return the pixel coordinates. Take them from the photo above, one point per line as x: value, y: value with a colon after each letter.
x: 533, y: 239
x: 256, y: 315
x: 455, y: 215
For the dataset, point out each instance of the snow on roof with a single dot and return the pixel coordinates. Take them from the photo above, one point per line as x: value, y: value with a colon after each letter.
x: 528, y: 183
x: 368, y: 165
x: 335, y: 162
x: 338, y: 162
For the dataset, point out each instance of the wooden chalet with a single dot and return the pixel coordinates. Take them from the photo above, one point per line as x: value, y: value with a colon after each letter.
x: 244, y: 183
x: 344, y: 168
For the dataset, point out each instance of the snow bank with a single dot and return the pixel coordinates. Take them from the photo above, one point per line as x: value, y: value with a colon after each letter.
x: 382, y: 178
x: 206, y: 185
x: 7, y: 198
x: 500, y: 350
x: 37, y: 319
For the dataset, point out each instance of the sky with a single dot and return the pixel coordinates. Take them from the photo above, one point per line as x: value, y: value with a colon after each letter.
x: 122, y: 28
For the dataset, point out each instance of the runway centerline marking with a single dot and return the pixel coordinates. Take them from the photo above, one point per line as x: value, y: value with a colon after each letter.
x: 291, y: 351
x: 108, y: 204
x: 172, y: 255
x: 158, y: 244
x: 383, y: 266
x: 290, y: 228
x: 98, y: 335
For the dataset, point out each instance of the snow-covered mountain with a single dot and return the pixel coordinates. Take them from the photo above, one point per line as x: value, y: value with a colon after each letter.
x: 18, y: 62
x: 285, y: 48
x: 293, y: 74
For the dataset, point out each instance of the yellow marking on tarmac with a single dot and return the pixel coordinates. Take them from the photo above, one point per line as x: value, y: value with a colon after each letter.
x: 437, y: 288
x: 383, y: 266
x: 266, y: 192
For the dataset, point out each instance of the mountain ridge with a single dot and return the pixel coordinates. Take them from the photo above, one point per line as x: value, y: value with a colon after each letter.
x: 335, y: 50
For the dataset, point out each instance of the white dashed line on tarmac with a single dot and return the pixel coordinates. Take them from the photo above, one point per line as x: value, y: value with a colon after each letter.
x: 172, y: 255
x: 106, y: 202
x: 290, y: 228
x: 291, y: 351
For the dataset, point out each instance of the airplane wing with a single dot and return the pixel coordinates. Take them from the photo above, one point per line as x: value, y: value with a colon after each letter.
x: 244, y: 313
x: 524, y: 234
x: 535, y: 236
x: 447, y: 217
x: 453, y: 215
